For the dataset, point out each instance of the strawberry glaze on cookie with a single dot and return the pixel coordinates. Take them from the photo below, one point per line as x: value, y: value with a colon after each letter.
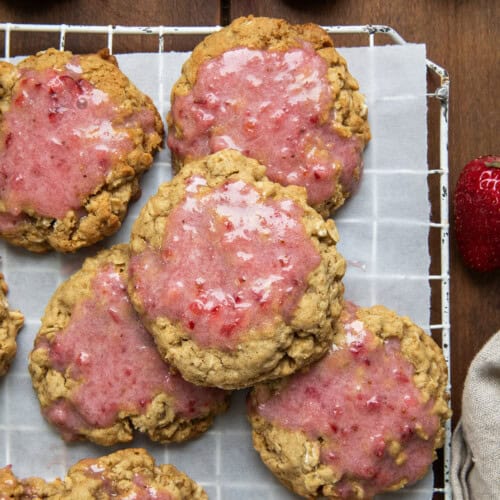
x: 236, y: 277
x: 230, y: 261
x: 75, y: 137
x: 276, y: 107
x: 126, y: 474
x: 115, y: 363
x: 139, y: 485
x: 59, y: 142
x: 112, y: 366
x: 376, y: 428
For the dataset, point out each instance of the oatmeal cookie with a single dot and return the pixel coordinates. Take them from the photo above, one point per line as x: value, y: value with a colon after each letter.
x: 75, y: 137
x: 97, y: 372
x: 125, y: 474
x: 10, y: 486
x: 366, y: 418
x: 10, y: 324
x: 279, y: 93
x: 237, y: 277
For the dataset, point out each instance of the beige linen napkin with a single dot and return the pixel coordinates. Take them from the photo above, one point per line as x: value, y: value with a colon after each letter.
x: 475, y: 448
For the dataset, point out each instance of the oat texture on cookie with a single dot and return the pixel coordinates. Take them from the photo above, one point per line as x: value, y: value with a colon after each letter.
x: 10, y: 323
x: 365, y: 419
x: 279, y: 93
x: 124, y: 474
x: 97, y: 372
x: 237, y: 278
x: 75, y: 137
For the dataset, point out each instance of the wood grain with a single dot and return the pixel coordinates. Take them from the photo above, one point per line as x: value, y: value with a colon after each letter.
x: 108, y: 12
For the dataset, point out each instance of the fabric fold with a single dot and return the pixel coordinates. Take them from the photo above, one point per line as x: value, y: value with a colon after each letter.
x: 475, y: 464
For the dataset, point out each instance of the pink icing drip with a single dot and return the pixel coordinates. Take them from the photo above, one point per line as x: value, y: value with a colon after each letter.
x: 229, y: 261
x: 358, y: 399
x: 107, y: 350
x: 273, y: 106
x: 66, y: 417
x: 10, y: 222
x: 58, y: 142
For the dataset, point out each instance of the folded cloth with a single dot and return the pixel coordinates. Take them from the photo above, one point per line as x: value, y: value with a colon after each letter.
x: 475, y: 446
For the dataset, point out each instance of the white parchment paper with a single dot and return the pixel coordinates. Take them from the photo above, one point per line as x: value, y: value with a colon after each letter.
x: 383, y: 229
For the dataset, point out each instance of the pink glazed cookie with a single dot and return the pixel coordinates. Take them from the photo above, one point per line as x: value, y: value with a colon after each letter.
x: 97, y: 372
x: 237, y: 277
x: 279, y: 93
x: 75, y: 137
x: 123, y: 475
x: 366, y: 418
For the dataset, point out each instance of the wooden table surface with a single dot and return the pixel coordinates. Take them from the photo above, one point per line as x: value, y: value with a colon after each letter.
x: 461, y: 36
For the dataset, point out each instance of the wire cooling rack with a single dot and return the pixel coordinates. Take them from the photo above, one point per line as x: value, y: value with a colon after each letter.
x: 437, y: 175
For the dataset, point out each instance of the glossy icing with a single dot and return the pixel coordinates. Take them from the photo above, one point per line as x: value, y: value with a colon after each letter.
x: 274, y: 106
x: 362, y: 401
x: 107, y: 351
x: 59, y: 142
x: 230, y: 261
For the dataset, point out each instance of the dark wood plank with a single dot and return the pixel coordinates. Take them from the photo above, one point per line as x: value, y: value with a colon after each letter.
x: 104, y: 12
x: 462, y: 37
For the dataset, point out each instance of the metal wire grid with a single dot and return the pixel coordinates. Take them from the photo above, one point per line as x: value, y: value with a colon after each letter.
x: 441, y: 93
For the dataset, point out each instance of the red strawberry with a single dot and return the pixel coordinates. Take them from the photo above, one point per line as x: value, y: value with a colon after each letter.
x: 477, y: 213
